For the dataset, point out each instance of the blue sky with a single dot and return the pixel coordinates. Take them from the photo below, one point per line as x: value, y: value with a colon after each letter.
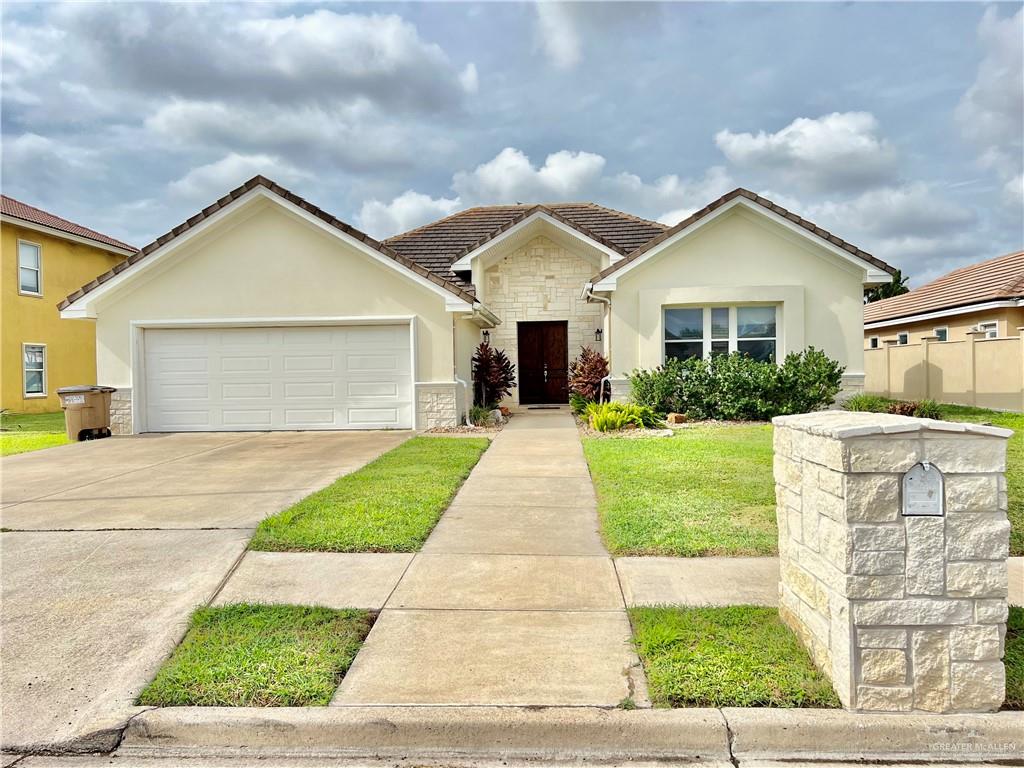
x: 896, y: 125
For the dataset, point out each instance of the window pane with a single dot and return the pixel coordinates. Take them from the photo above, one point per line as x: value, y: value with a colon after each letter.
x: 33, y: 357
x: 684, y: 350
x: 719, y: 323
x: 942, y: 333
x: 33, y: 382
x: 719, y: 348
x: 755, y: 322
x: 28, y: 255
x: 759, y: 350
x: 29, y: 279
x: 684, y: 324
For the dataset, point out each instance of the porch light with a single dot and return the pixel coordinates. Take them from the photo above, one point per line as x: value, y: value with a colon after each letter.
x: 598, y: 335
x: 487, y: 337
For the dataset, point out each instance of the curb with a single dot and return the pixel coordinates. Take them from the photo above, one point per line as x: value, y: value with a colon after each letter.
x: 558, y: 734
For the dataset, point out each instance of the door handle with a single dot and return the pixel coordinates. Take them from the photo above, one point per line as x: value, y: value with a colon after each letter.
x: 545, y: 373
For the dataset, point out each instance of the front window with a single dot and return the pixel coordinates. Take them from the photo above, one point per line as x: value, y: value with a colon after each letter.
x: 34, y: 356
x: 709, y: 331
x: 873, y: 342
x: 991, y: 329
x: 942, y: 334
x: 903, y: 338
x: 29, y: 268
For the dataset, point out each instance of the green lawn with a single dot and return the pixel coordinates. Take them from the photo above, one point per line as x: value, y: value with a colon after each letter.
x: 390, y: 505
x: 738, y: 656
x: 259, y: 656
x: 24, y: 432
x: 1014, y: 659
x: 708, y: 490
x: 1014, y: 462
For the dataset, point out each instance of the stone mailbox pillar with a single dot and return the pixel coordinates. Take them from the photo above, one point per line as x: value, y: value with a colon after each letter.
x: 893, y: 539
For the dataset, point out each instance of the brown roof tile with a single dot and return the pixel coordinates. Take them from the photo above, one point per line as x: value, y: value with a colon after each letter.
x: 19, y: 210
x: 764, y: 203
x: 439, y: 244
x: 991, y: 280
x: 228, y: 199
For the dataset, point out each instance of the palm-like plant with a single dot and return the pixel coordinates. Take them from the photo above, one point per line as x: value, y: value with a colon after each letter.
x: 493, y: 375
x: 897, y: 287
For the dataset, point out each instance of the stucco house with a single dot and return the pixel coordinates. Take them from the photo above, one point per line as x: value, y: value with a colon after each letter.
x: 265, y: 312
x: 43, y: 257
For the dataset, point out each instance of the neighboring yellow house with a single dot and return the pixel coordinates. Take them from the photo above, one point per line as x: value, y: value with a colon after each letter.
x: 44, y: 258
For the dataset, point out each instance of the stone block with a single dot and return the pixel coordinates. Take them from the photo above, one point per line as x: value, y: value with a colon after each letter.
x: 872, y: 498
x: 979, y: 578
x: 835, y: 543
x: 819, y: 502
x: 915, y: 611
x: 882, y: 638
x: 977, y: 536
x: 878, y: 538
x: 977, y: 686
x: 871, y: 454
x: 875, y: 587
x: 926, y: 557
x: 930, y: 656
x: 972, y: 493
x: 883, y: 666
x: 991, y: 611
x: 878, y: 563
x: 787, y: 472
x: 877, y: 698
x: 977, y: 642
x: 819, y: 450
x: 965, y: 454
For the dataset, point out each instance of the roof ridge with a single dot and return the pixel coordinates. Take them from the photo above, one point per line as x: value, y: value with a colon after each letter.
x: 112, y: 240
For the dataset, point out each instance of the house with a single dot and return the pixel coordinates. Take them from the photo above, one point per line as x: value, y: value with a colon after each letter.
x: 265, y: 312
x: 45, y: 257
x: 956, y: 339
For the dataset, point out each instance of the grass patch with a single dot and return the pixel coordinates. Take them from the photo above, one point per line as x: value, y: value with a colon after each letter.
x: 259, y: 656
x: 390, y: 505
x: 708, y: 490
x: 738, y: 656
x: 1014, y: 461
x: 24, y: 432
x: 1014, y: 659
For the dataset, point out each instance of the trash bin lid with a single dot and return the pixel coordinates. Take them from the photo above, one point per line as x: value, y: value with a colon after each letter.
x: 85, y: 388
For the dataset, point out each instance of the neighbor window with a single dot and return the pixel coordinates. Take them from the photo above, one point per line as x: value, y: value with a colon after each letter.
x: 942, y: 333
x: 34, y: 365
x: 30, y: 276
x: 873, y: 342
x: 708, y: 331
x: 903, y: 338
x: 991, y: 329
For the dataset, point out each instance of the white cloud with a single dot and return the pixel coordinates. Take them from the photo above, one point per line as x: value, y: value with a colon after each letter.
x: 839, y: 152
x: 889, y: 212
x: 407, y: 211
x: 511, y: 177
x: 206, y: 183
x: 469, y: 79
x: 670, y: 199
x: 559, y: 34
x: 1013, y: 192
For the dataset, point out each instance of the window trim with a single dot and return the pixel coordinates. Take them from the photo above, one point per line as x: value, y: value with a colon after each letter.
x: 899, y: 338
x: 945, y: 332
x: 24, y: 379
x: 990, y: 327
x: 39, y: 269
x: 874, y: 342
x: 733, y: 339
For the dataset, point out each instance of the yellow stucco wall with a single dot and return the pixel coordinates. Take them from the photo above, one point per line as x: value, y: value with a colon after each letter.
x: 742, y: 258
x: 1009, y: 319
x: 70, y: 344
x: 264, y: 262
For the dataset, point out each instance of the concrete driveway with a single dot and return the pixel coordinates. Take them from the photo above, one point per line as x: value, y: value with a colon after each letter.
x: 109, y: 545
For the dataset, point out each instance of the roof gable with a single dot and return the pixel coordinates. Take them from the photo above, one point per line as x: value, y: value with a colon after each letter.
x: 1001, y: 278
x: 261, y: 183
x: 756, y: 202
x: 29, y: 214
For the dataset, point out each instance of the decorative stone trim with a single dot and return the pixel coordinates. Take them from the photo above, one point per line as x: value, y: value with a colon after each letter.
x: 121, y: 411
x: 437, y: 405
x: 904, y: 613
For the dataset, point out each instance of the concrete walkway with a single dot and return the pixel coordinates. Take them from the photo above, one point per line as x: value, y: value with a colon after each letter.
x: 513, y: 600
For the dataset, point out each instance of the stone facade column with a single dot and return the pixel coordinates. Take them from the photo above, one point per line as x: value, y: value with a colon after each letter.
x: 121, y: 411
x: 903, y: 612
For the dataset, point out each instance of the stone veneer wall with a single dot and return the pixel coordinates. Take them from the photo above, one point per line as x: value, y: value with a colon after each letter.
x: 437, y: 405
x: 903, y: 613
x: 121, y: 412
x: 541, y: 281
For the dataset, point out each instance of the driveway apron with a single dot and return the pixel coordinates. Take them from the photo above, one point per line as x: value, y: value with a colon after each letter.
x: 513, y: 600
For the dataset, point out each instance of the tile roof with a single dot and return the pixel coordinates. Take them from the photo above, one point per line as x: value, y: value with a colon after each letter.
x: 439, y: 244
x: 19, y: 210
x: 991, y: 280
x: 231, y: 197
x: 764, y: 202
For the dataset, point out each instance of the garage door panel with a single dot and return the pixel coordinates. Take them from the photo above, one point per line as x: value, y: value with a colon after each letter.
x: 331, y: 377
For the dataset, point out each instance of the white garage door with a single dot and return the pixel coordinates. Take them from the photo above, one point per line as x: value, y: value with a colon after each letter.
x: 323, y: 377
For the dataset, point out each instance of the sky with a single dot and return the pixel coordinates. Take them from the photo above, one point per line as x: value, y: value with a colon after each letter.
x: 898, y: 126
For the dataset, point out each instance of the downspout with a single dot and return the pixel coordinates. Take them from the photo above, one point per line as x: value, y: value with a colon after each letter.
x: 465, y: 398
x: 588, y: 295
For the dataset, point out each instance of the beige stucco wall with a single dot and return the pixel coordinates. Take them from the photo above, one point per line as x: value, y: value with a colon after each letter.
x: 1009, y: 319
x: 541, y: 280
x: 467, y: 337
x: 742, y: 258
x: 266, y: 262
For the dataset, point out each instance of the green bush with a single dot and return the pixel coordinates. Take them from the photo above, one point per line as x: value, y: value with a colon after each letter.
x: 608, y: 417
x: 480, y: 415
x: 871, y: 403
x: 578, y: 403
x: 927, y: 409
x: 737, y: 387
x: 923, y: 409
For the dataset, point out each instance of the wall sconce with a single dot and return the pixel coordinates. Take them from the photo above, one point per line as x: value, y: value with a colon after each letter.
x: 487, y: 337
x: 598, y: 335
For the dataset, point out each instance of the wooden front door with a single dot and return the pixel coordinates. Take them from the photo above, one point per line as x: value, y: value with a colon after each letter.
x: 544, y: 362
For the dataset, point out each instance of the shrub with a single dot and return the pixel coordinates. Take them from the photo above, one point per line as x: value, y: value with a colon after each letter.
x: 872, y: 403
x: 927, y: 409
x: 737, y: 387
x: 586, y: 373
x: 578, y: 403
x: 901, y: 408
x: 923, y: 409
x: 493, y: 375
x: 607, y: 417
x: 480, y: 415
